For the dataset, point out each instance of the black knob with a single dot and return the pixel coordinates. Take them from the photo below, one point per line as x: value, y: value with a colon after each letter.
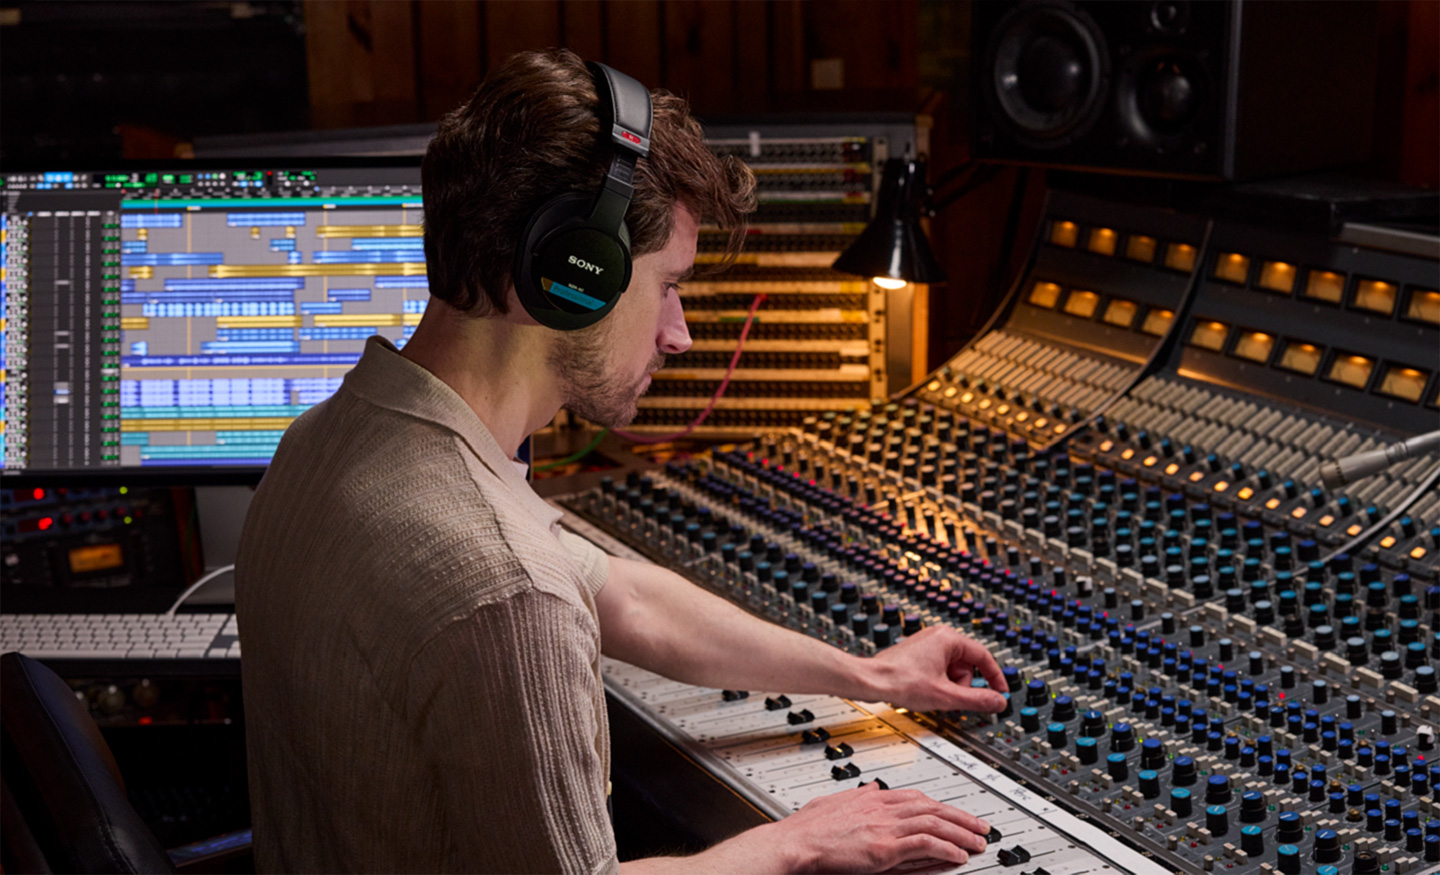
x: 1327, y: 846
x: 1180, y: 801
x: 1217, y: 820
x: 1122, y: 738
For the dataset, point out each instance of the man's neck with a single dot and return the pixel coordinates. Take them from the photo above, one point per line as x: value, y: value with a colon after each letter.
x: 496, y: 365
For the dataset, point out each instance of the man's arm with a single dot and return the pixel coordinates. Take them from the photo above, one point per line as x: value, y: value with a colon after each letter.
x: 653, y: 618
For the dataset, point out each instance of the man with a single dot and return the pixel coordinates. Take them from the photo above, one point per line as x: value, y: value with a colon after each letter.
x: 423, y: 642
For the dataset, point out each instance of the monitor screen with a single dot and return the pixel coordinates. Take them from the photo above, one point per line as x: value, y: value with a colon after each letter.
x: 178, y: 319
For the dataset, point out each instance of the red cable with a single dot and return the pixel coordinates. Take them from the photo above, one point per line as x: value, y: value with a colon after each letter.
x: 719, y: 391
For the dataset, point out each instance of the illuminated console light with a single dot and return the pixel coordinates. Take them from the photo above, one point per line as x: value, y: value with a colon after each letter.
x: 951, y: 392
x: 1245, y: 494
x: 1355, y: 529
x: 1376, y: 296
x: 985, y: 403
x: 1404, y: 383
x: 1323, y: 285
x: 1272, y: 504
x: 1180, y: 256
x: 1044, y: 294
x: 1325, y: 520
x: 1232, y: 267
x: 1387, y: 542
x: 1255, y: 346
x: 1425, y: 306
x: 1150, y: 461
x: 1064, y: 234
x: 1172, y: 469
x: 967, y: 397
x: 1102, y: 241
x: 1060, y: 429
x: 1197, y: 476
x: 933, y: 386
x: 1107, y: 446
x: 1140, y: 248
x: 1120, y: 312
x: 1157, y: 322
x: 1041, y: 422
x: 1003, y: 409
x: 1277, y: 276
x: 1022, y: 416
x: 1082, y: 303
x: 1209, y: 335
x: 1417, y: 553
x: 1352, y: 370
x: 1222, y: 485
x: 1298, y: 513
x: 1128, y: 454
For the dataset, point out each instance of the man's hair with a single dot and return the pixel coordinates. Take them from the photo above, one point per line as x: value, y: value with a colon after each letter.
x: 531, y: 132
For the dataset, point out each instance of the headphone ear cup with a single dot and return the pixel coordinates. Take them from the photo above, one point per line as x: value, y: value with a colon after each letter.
x: 569, y: 274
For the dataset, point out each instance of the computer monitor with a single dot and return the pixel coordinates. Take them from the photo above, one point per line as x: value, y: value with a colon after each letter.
x: 171, y: 322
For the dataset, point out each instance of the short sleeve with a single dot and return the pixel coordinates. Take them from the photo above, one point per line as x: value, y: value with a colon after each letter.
x: 504, y: 705
x: 594, y: 562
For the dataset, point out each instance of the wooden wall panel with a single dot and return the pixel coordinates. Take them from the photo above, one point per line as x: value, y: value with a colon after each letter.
x: 582, y: 27
x: 361, y: 60
x: 789, y: 66
x: 450, y: 56
x: 515, y: 25
x: 880, y: 46
x: 752, y: 53
x: 700, y: 53
x: 632, y: 39
x: 1419, y: 164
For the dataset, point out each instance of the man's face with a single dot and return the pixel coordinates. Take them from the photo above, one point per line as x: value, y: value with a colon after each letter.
x: 604, y: 369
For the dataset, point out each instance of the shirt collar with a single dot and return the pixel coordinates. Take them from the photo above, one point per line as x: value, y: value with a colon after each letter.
x: 387, y: 379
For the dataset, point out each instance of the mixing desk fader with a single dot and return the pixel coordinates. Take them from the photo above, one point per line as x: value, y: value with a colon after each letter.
x: 1211, y: 655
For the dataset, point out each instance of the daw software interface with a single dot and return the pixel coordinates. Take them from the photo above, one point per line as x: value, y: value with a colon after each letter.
x: 183, y: 317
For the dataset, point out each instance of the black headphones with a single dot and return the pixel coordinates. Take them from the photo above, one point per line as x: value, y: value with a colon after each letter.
x: 573, y: 262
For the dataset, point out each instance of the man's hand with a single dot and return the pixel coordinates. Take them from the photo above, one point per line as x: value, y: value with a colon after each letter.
x: 871, y: 830
x: 862, y: 830
x: 932, y: 671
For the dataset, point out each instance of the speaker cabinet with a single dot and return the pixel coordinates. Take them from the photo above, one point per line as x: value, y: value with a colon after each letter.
x: 1210, y: 89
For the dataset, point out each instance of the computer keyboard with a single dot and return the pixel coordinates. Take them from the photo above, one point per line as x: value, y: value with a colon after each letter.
x: 121, y: 636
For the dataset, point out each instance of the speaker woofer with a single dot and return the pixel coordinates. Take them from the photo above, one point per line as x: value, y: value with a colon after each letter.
x: 1048, y: 72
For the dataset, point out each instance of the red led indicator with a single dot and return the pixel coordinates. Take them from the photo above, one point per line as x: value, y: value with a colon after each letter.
x: 38, y: 494
x: 631, y: 137
x: 46, y: 522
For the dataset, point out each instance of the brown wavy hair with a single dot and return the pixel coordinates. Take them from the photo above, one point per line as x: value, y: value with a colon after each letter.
x: 531, y: 132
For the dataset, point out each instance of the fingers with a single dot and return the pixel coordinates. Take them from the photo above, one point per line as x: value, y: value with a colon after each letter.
x: 978, y: 655
x: 921, y: 847
x: 914, y: 803
x: 979, y: 699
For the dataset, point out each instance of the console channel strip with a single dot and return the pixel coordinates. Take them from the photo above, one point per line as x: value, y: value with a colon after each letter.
x: 780, y: 751
x: 820, y: 340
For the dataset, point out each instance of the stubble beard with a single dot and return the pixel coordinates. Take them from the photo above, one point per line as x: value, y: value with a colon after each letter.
x: 581, y: 363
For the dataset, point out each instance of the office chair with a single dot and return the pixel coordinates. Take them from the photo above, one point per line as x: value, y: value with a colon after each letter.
x: 64, y: 803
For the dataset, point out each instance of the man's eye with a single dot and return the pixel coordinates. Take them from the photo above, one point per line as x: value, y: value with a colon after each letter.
x: 672, y: 287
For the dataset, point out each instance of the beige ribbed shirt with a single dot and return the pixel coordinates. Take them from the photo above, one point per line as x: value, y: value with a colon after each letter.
x: 421, y: 648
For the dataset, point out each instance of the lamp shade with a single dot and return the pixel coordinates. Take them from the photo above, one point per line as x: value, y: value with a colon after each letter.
x: 893, y: 245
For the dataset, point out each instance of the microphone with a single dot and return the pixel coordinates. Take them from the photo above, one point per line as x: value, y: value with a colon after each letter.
x: 1343, y: 472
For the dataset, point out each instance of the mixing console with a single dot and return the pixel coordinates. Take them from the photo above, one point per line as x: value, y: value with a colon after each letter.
x: 1209, y: 653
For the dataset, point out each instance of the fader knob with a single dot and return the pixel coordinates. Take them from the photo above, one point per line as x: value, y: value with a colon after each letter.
x: 1118, y: 768
x: 1122, y: 738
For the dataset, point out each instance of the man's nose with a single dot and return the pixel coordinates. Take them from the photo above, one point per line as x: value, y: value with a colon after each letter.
x: 674, y: 335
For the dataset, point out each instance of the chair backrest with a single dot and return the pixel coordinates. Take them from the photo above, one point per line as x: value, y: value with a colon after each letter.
x: 61, y: 781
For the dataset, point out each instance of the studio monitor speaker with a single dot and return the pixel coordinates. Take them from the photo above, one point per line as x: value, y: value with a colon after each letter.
x: 1209, y: 89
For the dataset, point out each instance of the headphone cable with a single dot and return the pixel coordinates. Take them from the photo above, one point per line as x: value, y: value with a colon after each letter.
x: 715, y: 399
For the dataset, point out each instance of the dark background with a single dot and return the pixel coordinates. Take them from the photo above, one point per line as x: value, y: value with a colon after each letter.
x: 100, y: 81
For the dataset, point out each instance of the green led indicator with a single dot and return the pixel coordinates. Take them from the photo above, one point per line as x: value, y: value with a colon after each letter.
x: 185, y: 178
x: 168, y: 179
x: 152, y: 178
